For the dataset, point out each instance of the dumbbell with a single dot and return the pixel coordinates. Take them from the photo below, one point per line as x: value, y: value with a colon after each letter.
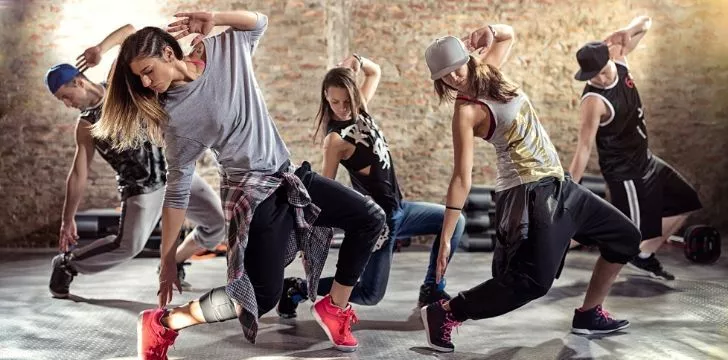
x: 701, y: 244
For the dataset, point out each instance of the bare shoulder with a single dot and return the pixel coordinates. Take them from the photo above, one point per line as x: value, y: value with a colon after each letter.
x: 334, y: 141
x: 471, y: 112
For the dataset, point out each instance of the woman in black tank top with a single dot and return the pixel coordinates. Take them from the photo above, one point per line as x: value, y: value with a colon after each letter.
x: 352, y: 138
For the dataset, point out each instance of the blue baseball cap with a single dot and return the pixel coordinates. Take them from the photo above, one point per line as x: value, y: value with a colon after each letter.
x: 59, y: 75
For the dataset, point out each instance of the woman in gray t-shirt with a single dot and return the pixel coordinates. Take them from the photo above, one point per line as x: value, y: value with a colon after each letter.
x: 272, y: 212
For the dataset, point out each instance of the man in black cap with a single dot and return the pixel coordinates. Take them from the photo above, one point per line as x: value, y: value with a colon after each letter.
x: 644, y: 187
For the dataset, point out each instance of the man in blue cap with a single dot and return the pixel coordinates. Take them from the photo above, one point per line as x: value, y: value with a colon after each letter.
x: 141, y: 178
x: 641, y: 185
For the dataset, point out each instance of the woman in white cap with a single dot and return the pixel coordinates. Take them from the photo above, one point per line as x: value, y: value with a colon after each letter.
x: 538, y: 208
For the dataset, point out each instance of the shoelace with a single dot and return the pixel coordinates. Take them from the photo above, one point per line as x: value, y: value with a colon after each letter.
x: 447, y: 327
x: 604, y: 313
x: 346, y: 318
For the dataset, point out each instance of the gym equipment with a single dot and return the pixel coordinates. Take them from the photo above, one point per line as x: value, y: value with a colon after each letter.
x: 701, y: 244
x: 479, y: 221
x: 338, y: 238
x: 484, y: 241
x: 480, y: 198
x: 479, y: 212
x: 97, y: 223
x: 93, y: 224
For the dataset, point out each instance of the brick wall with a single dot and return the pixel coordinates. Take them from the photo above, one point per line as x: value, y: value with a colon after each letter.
x: 680, y: 69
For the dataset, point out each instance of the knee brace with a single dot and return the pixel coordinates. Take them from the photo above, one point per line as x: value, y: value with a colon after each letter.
x: 217, y: 306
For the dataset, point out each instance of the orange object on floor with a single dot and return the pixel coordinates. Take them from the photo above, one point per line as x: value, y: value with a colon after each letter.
x: 220, y: 250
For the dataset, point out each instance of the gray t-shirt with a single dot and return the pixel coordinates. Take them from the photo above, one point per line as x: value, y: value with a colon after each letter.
x: 223, y: 110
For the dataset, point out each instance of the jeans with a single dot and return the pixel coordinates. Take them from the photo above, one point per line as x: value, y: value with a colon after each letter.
x: 412, y: 219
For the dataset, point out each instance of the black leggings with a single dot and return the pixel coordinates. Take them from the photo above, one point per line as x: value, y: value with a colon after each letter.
x: 361, y: 219
x: 344, y: 208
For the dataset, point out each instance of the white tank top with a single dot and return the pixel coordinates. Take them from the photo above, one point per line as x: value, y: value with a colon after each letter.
x: 523, y: 148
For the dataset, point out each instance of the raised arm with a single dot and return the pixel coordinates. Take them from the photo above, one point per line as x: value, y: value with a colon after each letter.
x: 493, y: 41
x: 202, y: 23
x: 623, y: 41
x: 592, y: 112
x: 75, y: 184
x: 372, y: 74
x: 92, y: 56
x: 241, y: 20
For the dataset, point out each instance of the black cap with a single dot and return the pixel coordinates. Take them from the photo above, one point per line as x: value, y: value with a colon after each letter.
x: 592, y: 58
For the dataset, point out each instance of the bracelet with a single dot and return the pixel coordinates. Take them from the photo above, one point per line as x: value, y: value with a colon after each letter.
x: 361, y: 60
x: 453, y: 208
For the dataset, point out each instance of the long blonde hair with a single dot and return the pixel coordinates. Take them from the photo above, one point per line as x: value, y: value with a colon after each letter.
x: 133, y: 114
x: 484, y: 80
x: 344, y: 78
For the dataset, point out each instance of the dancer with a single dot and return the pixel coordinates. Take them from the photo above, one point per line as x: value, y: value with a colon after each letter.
x: 353, y: 139
x: 641, y: 185
x: 271, y: 211
x: 140, y: 175
x: 538, y: 207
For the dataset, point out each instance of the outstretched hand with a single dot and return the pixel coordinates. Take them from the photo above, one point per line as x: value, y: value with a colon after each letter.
x: 442, y: 257
x: 167, y: 279
x: 68, y: 236
x: 200, y: 23
x: 90, y: 58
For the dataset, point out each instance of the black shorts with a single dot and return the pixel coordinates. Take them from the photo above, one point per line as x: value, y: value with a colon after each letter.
x: 660, y: 194
x: 535, y: 221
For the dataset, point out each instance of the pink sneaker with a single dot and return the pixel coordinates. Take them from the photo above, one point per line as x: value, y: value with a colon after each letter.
x: 153, y: 339
x: 336, y: 322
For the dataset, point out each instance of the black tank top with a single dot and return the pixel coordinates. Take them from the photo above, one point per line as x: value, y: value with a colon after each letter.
x: 371, y: 150
x: 622, y: 140
x: 138, y: 171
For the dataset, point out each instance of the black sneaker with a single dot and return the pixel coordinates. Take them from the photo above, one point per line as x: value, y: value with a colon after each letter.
x: 294, y: 292
x: 651, y: 266
x: 180, y: 275
x: 61, y: 276
x: 438, y: 326
x: 430, y: 294
x: 596, y: 321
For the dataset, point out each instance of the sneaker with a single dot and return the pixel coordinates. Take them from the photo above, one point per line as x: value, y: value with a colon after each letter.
x: 180, y: 275
x: 596, y: 321
x: 294, y: 292
x: 61, y: 276
x: 336, y: 322
x: 438, y: 326
x: 153, y: 339
x: 650, y: 266
x: 430, y: 294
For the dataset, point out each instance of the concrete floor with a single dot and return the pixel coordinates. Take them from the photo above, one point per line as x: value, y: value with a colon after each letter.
x: 682, y: 319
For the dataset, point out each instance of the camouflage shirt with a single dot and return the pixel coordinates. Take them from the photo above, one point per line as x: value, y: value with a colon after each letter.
x: 138, y: 171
